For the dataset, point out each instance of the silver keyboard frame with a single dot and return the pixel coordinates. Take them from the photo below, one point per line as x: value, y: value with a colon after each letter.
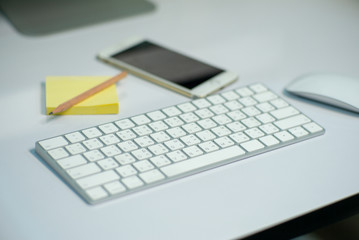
x: 82, y: 193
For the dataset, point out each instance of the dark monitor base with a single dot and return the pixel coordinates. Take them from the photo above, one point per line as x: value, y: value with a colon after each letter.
x: 42, y: 17
x: 344, y: 209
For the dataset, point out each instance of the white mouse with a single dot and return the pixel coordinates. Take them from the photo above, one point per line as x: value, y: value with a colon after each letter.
x: 336, y: 90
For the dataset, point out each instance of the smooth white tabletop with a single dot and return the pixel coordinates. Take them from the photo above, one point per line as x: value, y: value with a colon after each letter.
x: 263, y: 41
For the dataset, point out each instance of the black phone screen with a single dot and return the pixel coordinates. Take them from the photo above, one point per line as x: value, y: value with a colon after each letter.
x: 167, y: 64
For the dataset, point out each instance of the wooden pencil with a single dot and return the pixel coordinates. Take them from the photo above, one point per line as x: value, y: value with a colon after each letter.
x: 66, y: 105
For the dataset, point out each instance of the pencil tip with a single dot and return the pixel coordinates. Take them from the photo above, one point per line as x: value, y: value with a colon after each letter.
x: 51, y: 113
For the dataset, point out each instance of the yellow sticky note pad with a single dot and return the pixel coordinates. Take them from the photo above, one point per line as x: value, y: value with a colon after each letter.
x: 59, y: 89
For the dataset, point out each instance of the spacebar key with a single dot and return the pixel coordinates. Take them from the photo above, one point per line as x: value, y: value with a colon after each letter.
x: 202, y: 161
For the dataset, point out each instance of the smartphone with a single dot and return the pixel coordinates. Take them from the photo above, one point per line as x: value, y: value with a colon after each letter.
x: 167, y: 68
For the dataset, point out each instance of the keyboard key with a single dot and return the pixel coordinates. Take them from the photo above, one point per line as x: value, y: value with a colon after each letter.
x: 201, y: 103
x: 258, y: 88
x: 114, y: 187
x: 219, y: 109
x: 93, y: 143
x: 98, y: 179
x: 244, y: 91
x: 176, y: 156
x: 254, y: 133
x: 207, y: 123
x: 125, y: 158
x: 193, y: 151
x: 265, y: 96
x: 176, y: 132
x: 221, y: 119
x: 313, y: 127
x: 127, y: 146
x: 58, y: 153
x: 269, y: 140
x: 202, y: 161
x: 132, y: 182
x: 126, y: 171
x: 265, y: 118
x: 284, y: 112
x: 126, y: 134
x: 236, y: 126
x: 72, y: 161
x: 142, y: 153
x: 53, y: 143
x: 230, y: 95
x: 171, y: 111
x: 152, y: 176
x: 247, y: 101
x: 174, y: 122
x: 208, y: 146
x: 110, y: 151
x: 279, y: 103
x: 125, y: 124
x: 265, y: 107
x: 205, y: 135
x: 174, y: 144
x: 94, y: 155
x: 107, y: 163
x: 251, y: 122
x: 143, y: 166
x: 284, y: 136
x: 109, y: 139
x: 156, y: 115
x: 96, y: 193
x: 216, y: 99
x: 75, y: 137
x: 204, y: 113
x: 186, y: 107
x: 252, y: 145
x: 192, y: 128
x: 144, y: 141
x: 142, y: 130
x: 292, y: 122
x: 233, y: 105
x: 239, y: 137
x: 161, y: 136
x: 189, y: 117
x: 158, y: 126
x: 298, y: 131
x: 92, y: 132
x: 190, y: 140
x: 84, y: 170
x: 141, y: 119
x: 251, y: 111
x: 236, y: 115
x: 160, y: 161
x: 75, y: 148
x: 224, y: 142
x: 108, y: 128
x: 221, y: 131
x: 158, y: 149
x: 269, y: 128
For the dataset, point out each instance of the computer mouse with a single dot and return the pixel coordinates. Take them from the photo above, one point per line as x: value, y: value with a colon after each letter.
x: 336, y: 90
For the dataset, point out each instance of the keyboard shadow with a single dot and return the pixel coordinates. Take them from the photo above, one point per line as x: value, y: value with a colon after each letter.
x: 34, y: 153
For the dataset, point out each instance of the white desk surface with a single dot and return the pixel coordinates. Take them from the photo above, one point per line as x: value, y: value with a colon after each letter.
x: 263, y: 41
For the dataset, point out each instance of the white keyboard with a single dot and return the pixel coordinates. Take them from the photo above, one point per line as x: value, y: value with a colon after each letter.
x: 132, y: 154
